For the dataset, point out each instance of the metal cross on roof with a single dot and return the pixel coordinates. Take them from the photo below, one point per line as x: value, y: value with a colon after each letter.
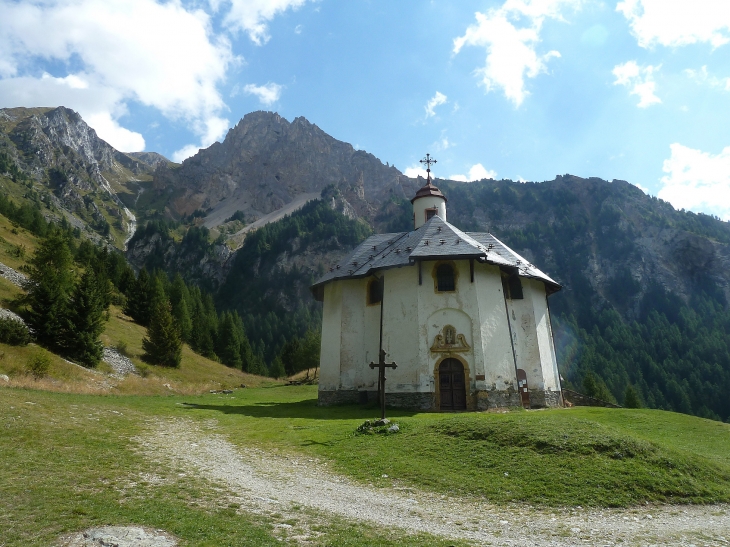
x: 428, y: 161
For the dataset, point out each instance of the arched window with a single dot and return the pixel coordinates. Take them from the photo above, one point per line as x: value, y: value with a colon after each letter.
x: 445, y: 279
x: 375, y: 291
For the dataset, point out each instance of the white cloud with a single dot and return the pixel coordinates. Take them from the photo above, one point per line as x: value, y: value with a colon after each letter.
x: 415, y: 171
x: 99, y: 105
x: 252, y: 16
x: 477, y: 172
x: 119, y: 137
x: 433, y: 102
x: 267, y: 94
x: 702, y: 76
x: 442, y: 144
x: 160, y: 54
x: 697, y: 180
x: 678, y: 22
x: 640, y: 81
x: 510, y: 34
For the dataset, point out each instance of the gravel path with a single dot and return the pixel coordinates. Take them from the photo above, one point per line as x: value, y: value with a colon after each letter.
x: 267, y: 483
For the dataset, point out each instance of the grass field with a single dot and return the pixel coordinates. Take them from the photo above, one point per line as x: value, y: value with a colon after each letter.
x: 70, y: 460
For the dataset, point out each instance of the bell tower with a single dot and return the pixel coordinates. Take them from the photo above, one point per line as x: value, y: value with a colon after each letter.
x: 428, y: 201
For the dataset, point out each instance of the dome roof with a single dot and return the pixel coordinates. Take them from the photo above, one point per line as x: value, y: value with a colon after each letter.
x: 428, y: 190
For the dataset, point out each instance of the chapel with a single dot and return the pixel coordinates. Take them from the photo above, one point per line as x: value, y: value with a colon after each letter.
x: 464, y: 317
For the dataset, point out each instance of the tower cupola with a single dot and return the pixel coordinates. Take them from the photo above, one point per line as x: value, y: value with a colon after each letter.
x: 428, y: 201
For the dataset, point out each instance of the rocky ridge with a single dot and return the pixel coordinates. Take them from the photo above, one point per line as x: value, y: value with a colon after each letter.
x: 265, y: 162
x: 70, y: 168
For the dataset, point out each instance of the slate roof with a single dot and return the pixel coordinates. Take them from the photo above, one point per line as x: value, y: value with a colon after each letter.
x: 435, y: 240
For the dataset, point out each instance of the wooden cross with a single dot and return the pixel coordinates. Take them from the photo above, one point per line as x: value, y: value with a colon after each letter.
x: 428, y: 161
x: 382, y: 365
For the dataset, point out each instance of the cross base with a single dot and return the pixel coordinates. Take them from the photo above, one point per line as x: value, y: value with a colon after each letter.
x: 381, y: 366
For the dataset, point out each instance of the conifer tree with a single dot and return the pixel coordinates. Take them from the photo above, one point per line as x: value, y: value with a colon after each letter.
x: 291, y: 355
x: 162, y: 345
x: 248, y: 357
x: 139, y: 299
x: 85, y: 320
x: 180, y: 301
x: 49, y: 286
x: 205, y: 323
x: 228, y: 347
x: 631, y: 398
x: 311, y: 350
x: 277, y: 368
x: 258, y: 366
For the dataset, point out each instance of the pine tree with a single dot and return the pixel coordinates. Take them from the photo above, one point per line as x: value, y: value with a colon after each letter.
x: 631, y: 398
x: 49, y: 286
x: 291, y: 355
x: 310, y: 350
x: 86, y: 320
x: 162, y: 345
x: 205, y: 324
x: 228, y: 346
x: 180, y: 301
x: 277, y: 368
x: 248, y: 357
x: 139, y: 299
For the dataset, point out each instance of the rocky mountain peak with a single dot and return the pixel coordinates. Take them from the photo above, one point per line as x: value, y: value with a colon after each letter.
x: 266, y: 162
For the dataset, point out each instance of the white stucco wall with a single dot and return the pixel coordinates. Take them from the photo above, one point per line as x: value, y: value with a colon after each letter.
x: 329, y: 357
x: 400, y: 329
x: 495, y: 346
x: 414, y: 314
x: 522, y: 319
x: 544, y: 332
x: 532, y: 335
x: 428, y: 202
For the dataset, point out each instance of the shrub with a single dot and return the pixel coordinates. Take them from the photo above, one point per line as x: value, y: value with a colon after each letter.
x: 13, y: 332
x: 38, y: 365
x: 122, y: 348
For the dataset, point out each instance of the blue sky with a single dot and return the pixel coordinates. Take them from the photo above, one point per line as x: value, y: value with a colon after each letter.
x: 632, y: 89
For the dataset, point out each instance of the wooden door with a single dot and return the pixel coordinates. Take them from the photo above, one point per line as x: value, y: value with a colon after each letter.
x: 522, y: 386
x: 452, y: 385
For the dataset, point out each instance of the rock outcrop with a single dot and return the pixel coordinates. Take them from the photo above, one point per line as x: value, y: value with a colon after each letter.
x: 70, y: 168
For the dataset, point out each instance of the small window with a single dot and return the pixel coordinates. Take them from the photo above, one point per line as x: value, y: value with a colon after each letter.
x: 515, y: 287
x: 430, y: 213
x: 375, y: 291
x: 445, y: 278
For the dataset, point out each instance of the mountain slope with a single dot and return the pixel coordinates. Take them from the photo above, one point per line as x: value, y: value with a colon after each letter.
x: 51, y: 156
x: 265, y: 162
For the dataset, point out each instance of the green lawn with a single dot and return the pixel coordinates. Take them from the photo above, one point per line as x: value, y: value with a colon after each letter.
x: 69, y: 461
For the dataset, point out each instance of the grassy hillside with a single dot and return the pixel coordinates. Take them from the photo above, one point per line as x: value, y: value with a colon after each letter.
x: 196, y: 373
x: 72, y: 461
x: 580, y: 456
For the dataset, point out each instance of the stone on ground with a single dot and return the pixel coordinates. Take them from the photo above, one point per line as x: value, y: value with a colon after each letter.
x: 120, y: 536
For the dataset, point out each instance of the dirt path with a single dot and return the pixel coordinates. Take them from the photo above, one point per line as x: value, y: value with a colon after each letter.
x: 266, y: 483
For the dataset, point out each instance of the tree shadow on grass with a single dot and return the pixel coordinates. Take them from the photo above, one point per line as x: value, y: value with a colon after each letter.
x: 306, y: 409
